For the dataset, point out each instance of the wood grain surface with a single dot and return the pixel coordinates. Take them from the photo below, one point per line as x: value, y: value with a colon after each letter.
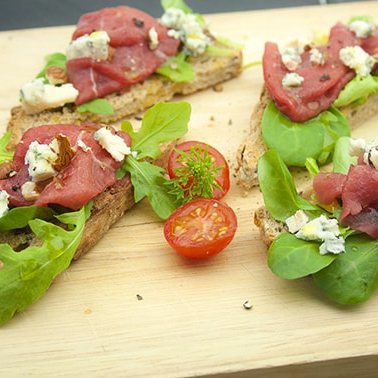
x: 133, y: 308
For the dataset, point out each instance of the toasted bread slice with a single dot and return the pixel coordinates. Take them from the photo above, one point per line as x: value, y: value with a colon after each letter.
x: 253, y: 146
x: 210, y: 70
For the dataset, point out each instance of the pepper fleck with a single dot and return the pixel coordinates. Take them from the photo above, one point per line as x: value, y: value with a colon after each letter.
x: 324, y: 77
x: 137, y: 22
x: 15, y: 188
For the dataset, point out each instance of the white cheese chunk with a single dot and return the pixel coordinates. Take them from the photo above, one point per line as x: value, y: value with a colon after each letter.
x: 37, y: 96
x: 94, y: 45
x: 369, y: 151
x: 357, y: 59
x: 291, y: 58
x: 316, y: 57
x: 187, y: 29
x: 362, y: 28
x: 4, y: 202
x: 296, y: 221
x: 153, y: 39
x: 112, y: 143
x: 40, y: 159
x: 292, y: 79
x: 325, y: 230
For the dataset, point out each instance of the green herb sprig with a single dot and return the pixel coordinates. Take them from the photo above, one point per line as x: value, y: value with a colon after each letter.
x: 196, y: 177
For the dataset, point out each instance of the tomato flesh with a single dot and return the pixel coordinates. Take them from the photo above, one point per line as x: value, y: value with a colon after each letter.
x: 201, y: 228
x: 223, y: 176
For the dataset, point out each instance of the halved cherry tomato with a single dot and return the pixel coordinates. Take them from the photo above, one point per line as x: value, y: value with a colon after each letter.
x: 222, y: 178
x: 201, y: 228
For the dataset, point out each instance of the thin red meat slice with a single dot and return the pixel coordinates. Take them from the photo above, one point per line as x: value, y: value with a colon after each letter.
x: 322, y: 83
x: 328, y: 186
x: 131, y: 61
x: 89, y: 173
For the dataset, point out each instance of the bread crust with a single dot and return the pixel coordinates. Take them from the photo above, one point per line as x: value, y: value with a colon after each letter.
x: 253, y: 146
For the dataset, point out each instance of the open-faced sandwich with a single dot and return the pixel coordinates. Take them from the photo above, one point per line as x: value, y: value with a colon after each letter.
x: 330, y: 230
x: 121, y: 61
x: 314, y: 92
x: 65, y: 185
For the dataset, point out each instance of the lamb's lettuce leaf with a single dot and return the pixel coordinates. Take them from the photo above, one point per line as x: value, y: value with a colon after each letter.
x: 278, y: 188
x: 353, y: 277
x: 291, y: 139
x: 26, y: 275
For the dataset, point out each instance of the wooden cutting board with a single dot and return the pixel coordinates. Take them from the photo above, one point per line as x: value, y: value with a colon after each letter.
x: 133, y: 308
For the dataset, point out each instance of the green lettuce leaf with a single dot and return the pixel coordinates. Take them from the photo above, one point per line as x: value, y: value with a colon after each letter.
x: 296, y: 142
x: 55, y: 59
x: 178, y: 4
x: 148, y: 181
x: 357, y: 90
x: 163, y: 122
x: 25, y: 276
x: 19, y: 217
x: 291, y: 258
x: 96, y: 106
x: 353, y: 277
x: 177, y: 68
x: 278, y: 188
x: 4, y: 154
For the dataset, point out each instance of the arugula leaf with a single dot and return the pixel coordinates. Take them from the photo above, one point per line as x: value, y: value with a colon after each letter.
x: 25, y: 276
x: 55, y: 59
x: 148, y: 181
x: 353, y: 277
x: 291, y: 258
x: 97, y: 106
x: 19, y: 217
x: 291, y: 139
x: 4, y: 154
x: 162, y: 123
x: 278, y: 188
x: 177, y: 68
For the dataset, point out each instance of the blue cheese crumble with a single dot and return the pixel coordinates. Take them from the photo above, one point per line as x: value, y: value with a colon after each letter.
x: 292, y: 79
x: 186, y: 28
x: 291, y: 58
x: 321, y: 229
x: 94, y: 45
x: 369, y: 151
x: 357, y: 59
x: 37, y: 96
x: 362, y: 28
